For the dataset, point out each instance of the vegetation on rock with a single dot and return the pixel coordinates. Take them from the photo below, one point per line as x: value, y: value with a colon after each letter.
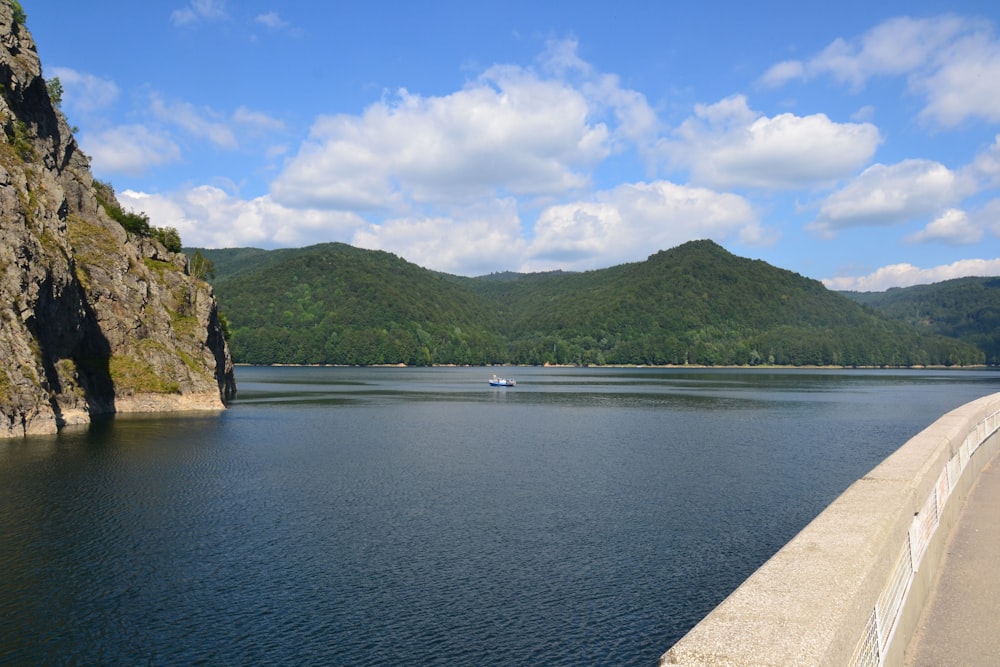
x: 18, y: 12
x: 133, y: 222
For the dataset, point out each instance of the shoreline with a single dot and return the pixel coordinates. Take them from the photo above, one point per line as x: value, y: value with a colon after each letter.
x: 654, y: 366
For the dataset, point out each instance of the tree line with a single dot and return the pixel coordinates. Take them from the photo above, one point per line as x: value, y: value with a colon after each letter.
x: 694, y: 304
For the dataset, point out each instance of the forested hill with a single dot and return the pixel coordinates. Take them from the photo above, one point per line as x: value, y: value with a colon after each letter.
x: 696, y: 304
x: 964, y: 308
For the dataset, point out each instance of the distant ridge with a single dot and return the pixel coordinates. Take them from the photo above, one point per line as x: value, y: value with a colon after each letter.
x: 693, y: 304
x: 963, y: 308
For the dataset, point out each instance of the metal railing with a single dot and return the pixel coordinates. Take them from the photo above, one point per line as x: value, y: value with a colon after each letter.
x: 878, y: 633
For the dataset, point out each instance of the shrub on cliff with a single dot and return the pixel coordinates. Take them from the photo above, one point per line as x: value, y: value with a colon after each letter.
x: 135, y: 223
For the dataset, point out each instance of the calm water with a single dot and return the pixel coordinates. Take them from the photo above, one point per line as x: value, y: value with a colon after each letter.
x: 379, y: 516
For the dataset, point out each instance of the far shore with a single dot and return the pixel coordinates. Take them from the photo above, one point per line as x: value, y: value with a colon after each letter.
x: 664, y: 366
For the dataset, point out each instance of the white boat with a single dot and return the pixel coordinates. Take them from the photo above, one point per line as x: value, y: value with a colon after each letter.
x: 501, y: 382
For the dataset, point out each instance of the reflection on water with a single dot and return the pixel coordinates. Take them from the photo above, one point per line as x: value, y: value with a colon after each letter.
x: 368, y: 516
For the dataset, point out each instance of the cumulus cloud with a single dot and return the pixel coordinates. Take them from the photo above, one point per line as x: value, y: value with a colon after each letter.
x: 951, y: 61
x: 952, y: 227
x: 889, y: 194
x: 509, y: 132
x: 635, y: 121
x: 129, y: 149
x: 479, y: 240
x: 727, y: 144
x: 906, y: 275
x: 634, y: 220
x: 84, y: 92
x: 208, y: 216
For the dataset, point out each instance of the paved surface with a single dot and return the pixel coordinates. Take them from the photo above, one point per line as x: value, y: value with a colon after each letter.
x: 960, y: 625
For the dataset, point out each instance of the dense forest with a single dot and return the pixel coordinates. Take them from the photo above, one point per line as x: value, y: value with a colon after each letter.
x: 693, y: 304
x: 964, y: 308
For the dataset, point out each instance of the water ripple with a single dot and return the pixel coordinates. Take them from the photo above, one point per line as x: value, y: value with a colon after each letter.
x: 366, y: 517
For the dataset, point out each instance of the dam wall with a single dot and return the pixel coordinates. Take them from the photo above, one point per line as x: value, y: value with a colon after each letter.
x: 850, y: 587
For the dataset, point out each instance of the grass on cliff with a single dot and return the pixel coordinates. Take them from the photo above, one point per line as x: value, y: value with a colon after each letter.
x: 92, y: 245
x: 133, y: 374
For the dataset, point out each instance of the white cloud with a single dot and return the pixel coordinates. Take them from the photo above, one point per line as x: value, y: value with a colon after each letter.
x: 726, y: 144
x: 886, y: 195
x: 508, y: 132
x: 984, y: 170
x: 199, y: 10
x: 964, y: 82
x: 257, y: 121
x: 952, y: 227
x: 135, y: 148
x: 129, y: 149
x: 952, y: 61
x: 561, y: 58
x: 988, y: 217
x: 85, y: 92
x: 906, y: 275
x: 895, y: 47
x: 781, y: 73
x: 634, y: 220
x: 635, y: 121
x: 272, y: 20
x: 483, y: 239
x: 208, y: 216
x: 201, y: 123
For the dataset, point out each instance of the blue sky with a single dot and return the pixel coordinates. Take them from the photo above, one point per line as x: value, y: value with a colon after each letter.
x: 855, y: 143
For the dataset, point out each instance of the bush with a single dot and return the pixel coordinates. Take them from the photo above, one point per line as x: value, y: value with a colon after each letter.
x: 19, y: 16
x: 135, y: 223
x: 169, y: 237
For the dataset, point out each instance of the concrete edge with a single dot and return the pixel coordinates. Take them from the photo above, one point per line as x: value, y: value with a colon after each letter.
x: 813, y: 601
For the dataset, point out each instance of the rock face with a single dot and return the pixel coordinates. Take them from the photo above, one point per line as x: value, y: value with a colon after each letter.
x: 93, y: 319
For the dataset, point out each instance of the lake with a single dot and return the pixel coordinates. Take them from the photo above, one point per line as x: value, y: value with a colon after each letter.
x: 350, y: 516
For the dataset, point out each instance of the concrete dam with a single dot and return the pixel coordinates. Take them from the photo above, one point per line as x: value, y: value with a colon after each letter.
x: 850, y: 588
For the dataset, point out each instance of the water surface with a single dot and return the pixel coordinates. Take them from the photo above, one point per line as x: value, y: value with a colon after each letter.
x: 368, y: 516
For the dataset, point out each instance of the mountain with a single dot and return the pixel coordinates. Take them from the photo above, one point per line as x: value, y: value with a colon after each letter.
x: 964, y: 308
x: 98, y: 312
x: 332, y: 303
x: 694, y: 304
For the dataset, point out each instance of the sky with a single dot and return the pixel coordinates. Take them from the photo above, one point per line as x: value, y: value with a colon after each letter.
x: 857, y: 143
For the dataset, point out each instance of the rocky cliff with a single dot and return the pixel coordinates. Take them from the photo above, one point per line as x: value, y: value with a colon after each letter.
x: 93, y: 319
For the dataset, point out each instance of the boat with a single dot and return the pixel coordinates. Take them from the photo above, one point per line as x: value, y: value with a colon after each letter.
x: 501, y: 382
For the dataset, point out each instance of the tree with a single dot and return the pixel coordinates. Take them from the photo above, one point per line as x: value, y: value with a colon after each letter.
x: 55, y: 89
x: 201, y: 267
x: 168, y: 236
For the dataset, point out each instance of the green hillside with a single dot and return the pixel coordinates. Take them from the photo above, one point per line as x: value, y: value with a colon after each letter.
x: 964, y: 308
x: 333, y: 303
x: 695, y: 304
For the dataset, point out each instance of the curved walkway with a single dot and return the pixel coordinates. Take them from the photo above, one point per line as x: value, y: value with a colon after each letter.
x: 959, y: 624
